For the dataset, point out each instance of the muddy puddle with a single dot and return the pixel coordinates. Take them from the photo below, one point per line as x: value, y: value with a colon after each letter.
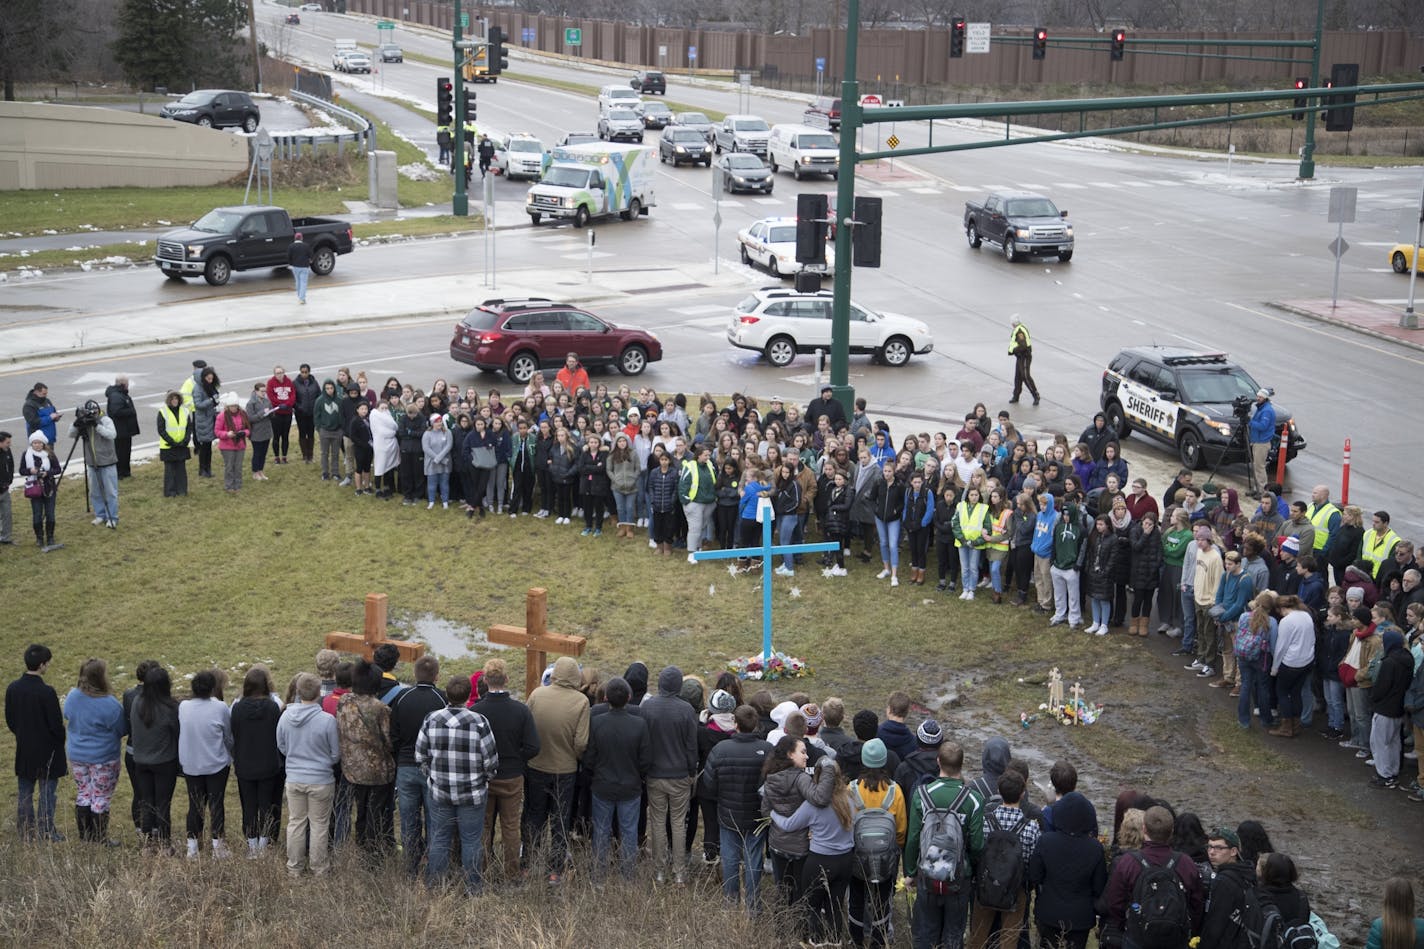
x: 445, y: 638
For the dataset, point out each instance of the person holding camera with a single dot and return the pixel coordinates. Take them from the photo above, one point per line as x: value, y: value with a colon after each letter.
x: 39, y: 466
x: 1260, y: 430
x: 98, y: 433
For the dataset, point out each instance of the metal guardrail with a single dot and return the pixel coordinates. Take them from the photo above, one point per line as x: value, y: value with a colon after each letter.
x: 291, y: 144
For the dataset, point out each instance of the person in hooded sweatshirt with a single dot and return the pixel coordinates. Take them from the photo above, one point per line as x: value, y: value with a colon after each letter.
x: 619, y: 756
x: 893, y: 730
x: 517, y: 741
x: 1097, y: 436
x: 1387, y: 706
x: 922, y: 764
x: 256, y: 760
x: 995, y: 761
x: 1068, y: 872
x: 672, y: 734
x: 561, y: 715
x: 308, y: 738
x: 326, y: 415
x: 1231, y: 880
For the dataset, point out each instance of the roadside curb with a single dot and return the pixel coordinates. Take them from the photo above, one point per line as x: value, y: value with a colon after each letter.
x: 1346, y: 324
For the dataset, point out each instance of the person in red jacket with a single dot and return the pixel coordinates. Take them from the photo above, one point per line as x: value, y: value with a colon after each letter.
x: 282, y: 393
x: 573, y: 376
x: 1156, y: 851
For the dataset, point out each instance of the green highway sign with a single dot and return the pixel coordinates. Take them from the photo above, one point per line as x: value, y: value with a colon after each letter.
x: 464, y: 21
x: 573, y: 36
x: 385, y: 25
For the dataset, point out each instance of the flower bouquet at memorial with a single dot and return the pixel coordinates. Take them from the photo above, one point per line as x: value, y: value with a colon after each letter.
x: 760, y: 668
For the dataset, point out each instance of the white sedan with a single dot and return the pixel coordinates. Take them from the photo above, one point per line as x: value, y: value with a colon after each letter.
x: 771, y: 243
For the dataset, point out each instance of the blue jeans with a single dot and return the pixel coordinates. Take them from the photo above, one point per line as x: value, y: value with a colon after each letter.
x: 302, y: 274
x: 1255, y: 693
x: 437, y: 482
x: 996, y: 575
x: 938, y: 919
x: 414, y: 814
x: 786, y: 534
x: 604, y: 813
x: 889, y: 533
x: 1189, y: 619
x: 1334, y: 703
x: 627, y: 506
x: 26, y: 818
x: 445, y: 818
x: 640, y: 496
x: 104, y: 492
x: 745, y: 853
x: 1101, y: 610
x: 969, y: 566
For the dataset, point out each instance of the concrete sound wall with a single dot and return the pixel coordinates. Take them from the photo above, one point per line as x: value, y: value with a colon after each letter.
x: 66, y: 146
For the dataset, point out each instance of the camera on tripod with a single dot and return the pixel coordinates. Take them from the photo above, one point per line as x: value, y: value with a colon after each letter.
x: 87, y: 415
x: 1241, y: 406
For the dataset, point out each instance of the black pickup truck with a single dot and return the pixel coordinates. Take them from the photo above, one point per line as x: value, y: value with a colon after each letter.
x: 1022, y: 223
x: 248, y: 237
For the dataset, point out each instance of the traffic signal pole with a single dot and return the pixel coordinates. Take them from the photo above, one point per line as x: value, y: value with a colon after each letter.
x: 460, y: 204
x: 845, y: 214
x: 1307, y: 151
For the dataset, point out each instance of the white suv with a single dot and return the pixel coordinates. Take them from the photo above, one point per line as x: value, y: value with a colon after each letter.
x: 524, y: 157
x: 781, y: 323
x: 619, y: 97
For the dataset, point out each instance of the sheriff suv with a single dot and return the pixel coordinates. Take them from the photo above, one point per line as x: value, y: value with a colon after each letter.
x: 1194, y: 401
x: 518, y: 336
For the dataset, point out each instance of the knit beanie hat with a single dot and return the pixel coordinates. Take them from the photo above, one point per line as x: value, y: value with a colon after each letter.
x: 812, y: 712
x: 722, y: 701
x: 929, y: 733
x: 873, y: 754
x: 1291, y: 545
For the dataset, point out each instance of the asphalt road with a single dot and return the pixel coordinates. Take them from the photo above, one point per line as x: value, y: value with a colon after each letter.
x: 1170, y: 250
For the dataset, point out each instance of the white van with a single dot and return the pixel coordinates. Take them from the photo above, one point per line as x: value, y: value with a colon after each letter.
x: 803, y: 150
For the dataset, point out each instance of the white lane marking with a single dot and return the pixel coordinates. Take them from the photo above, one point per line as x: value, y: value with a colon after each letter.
x: 1357, y: 339
x: 686, y: 206
x: 700, y: 310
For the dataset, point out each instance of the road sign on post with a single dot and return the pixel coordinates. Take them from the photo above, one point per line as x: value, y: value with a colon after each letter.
x: 820, y: 64
x: 976, y: 37
x: 692, y: 54
x: 573, y: 36
x: 464, y: 21
x: 870, y: 99
x: 526, y: 35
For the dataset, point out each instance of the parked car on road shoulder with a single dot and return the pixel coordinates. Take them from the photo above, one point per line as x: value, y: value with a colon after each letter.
x: 215, y: 108
x: 519, y: 336
x: 247, y: 237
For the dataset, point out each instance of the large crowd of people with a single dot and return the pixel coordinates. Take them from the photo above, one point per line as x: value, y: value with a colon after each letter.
x: 1295, y: 608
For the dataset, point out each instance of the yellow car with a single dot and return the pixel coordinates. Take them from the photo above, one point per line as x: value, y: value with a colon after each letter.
x: 1400, y: 257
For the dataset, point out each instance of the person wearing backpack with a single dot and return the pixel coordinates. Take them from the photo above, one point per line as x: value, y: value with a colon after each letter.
x: 1285, y: 909
x: 826, y: 871
x: 1001, y: 878
x: 878, y: 834
x: 922, y: 764
x: 1255, y: 630
x: 942, y: 848
x: 1231, y: 903
x: 1155, y: 895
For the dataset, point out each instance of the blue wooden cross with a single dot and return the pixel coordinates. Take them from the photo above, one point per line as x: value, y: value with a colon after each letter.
x: 768, y: 552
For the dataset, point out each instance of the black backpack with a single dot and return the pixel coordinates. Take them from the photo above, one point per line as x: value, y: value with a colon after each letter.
x: 1157, y: 916
x: 999, y: 877
x: 1273, y: 933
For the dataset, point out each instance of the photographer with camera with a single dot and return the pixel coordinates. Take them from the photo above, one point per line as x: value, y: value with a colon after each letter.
x: 102, y: 459
x: 1259, y: 431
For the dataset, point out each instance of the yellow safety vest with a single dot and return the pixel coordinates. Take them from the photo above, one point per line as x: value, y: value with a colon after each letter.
x: 1320, y: 517
x: 1001, y: 526
x: 971, y: 522
x: 1376, y: 548
x: 176, y: 428
x: 1013, y: 338
x: 186, y: 391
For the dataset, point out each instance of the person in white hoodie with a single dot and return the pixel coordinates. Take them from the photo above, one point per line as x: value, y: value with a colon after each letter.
x: 205, y: 758
x: 307, y: 736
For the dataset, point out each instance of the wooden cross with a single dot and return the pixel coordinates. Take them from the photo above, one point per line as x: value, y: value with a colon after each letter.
x: 1077, y: 691
x: 535, y: 639
x: 1055, y: 688
x: 375, y: 634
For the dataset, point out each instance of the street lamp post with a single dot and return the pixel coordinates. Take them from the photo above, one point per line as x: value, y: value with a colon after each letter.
x: 845, y: 204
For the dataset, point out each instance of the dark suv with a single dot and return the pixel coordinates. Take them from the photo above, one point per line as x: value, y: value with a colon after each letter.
x: 519, y: 336
x: 1197, y: 402
x: 649, y: 80
x: 215, y: 108
x: 824, y: 113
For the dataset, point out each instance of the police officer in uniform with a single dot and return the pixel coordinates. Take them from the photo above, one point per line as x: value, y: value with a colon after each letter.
x: 1021, y: 348
x: 486, y: 151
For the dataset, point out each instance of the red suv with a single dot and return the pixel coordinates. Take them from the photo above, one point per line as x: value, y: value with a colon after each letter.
x: 519, y: 336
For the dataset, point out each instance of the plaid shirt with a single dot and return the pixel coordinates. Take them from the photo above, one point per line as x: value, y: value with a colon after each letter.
x: 456, y: 750
x: 1029, y: 831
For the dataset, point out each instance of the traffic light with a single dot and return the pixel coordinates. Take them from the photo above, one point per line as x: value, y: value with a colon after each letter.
x: 1119, y: 44
x: 1341, y: 116
x: 865, y: 238
x: 956, y: 38
x: 444, y: 101
x: 1040, y: 43
x: 811, y: 228
x: 468, y: 116
x: 498, y: 60
x: 1300, y: 101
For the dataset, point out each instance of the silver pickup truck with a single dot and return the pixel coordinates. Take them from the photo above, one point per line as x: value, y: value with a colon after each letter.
x: 1022, y: 223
